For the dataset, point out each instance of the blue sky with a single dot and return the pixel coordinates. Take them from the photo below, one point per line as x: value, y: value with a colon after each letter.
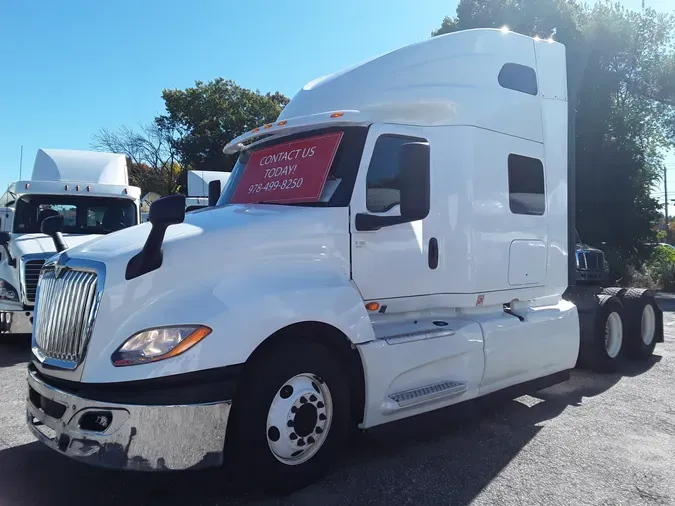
x: 68, y: 68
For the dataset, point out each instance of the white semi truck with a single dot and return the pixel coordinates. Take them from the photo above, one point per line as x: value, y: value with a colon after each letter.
x: 398, y: 241
x: 198, y: 187
x: 89, y: 191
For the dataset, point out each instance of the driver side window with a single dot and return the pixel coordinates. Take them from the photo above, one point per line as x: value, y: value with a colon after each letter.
x: 383, y: 190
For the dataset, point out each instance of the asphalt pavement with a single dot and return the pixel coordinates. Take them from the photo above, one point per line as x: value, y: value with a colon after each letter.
x: 595, y: 440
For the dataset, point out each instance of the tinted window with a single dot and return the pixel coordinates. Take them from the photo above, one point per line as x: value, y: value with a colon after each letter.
x: 526, y: 185
x: 383, y: 182
x: 519, y: 78
x: 338, y: 188
x: 81, y: 214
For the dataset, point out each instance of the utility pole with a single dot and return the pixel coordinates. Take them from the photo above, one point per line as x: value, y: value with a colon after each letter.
x: 20, y: 162
x: 665, y: 190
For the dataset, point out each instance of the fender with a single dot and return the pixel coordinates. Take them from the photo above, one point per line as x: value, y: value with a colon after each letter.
x: 242, y: 307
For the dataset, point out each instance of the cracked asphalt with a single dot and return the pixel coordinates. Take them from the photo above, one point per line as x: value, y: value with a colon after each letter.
x: 596, y: 440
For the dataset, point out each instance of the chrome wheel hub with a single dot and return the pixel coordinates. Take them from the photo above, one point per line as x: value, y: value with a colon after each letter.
x: 613, y: 334
x: 648, y: 324
x: 299, y: 419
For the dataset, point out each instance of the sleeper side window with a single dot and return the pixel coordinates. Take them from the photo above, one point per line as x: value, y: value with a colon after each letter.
x: 383, y: 190
x: 518, y: 78
x: 526, y: 185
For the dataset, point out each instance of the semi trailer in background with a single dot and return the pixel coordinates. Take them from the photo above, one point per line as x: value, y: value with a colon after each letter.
x: 198, y: 187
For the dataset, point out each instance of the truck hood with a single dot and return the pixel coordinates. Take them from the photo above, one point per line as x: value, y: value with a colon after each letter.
x: 586, y: 247
x: 212, y: 238
x: 25, y: 244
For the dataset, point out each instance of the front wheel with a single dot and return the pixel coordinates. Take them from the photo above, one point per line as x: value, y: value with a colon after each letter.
x: 290, y: 418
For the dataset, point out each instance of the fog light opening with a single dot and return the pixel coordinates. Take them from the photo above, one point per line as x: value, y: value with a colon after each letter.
x: 96, y: 421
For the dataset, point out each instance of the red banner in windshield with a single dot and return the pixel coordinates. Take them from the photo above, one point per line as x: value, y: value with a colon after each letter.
x: 290, y: 172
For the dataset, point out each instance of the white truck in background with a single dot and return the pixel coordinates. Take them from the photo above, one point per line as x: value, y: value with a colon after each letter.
x: 198, y: 187
x: 400, y: 240
x: 90, y: 192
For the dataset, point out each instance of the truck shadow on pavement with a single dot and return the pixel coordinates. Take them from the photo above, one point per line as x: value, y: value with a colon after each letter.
x: 445, y: 457
x: 14, y: 349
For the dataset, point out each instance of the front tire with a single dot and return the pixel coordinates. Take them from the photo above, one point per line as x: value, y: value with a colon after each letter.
x: 291, y: 417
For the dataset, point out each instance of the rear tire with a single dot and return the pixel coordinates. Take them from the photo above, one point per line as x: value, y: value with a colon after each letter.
x: 641, y: 323
x: 290, y: 418
x: 602, y: 351
x: 614, y: 291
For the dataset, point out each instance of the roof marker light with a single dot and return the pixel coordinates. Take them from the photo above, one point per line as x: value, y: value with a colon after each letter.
x: 282, y: 123
x: 88, y: 188
x: 337, y: 115
x: 256, y: 129
x: 66, y: 187
x: 504, y: 29
x: 77, y: 188
x: 269, y: 125
x: 126, y: 190
x: 27, y: 185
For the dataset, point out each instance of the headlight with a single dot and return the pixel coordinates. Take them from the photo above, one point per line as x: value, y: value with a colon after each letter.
x: 8, y: 292
x: 158, y: 344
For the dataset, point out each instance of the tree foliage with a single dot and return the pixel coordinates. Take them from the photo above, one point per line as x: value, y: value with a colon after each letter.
x: 625, y: 64
x: 209, y: 115
x: 197, y: 124
x: 152, y: 158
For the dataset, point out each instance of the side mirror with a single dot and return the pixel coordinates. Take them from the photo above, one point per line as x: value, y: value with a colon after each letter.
x: 168, y: 210
x: 163, y: 213
x: 415, y: 181
x: 53, y: 226
x: 415, y: 189
x: 5, y: 238
x: 214, y: 192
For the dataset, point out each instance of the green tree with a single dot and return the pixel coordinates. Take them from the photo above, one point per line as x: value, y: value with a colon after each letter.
x: 209, y: 115
x: 624, y: 107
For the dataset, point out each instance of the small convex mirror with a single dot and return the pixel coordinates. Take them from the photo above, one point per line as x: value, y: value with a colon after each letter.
x: 415, y: 180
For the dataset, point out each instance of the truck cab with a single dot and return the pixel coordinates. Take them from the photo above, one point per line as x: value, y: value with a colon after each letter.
x: 592, y: 267
x: 89, y: 190
x: 396, y: 242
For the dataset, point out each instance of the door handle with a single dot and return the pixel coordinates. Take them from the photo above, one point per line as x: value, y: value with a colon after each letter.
x: 433, y: 253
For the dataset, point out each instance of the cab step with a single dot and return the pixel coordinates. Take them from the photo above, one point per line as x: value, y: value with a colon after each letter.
x: 425, y: 394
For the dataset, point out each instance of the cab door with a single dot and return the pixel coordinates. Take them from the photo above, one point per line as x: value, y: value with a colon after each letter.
x: 397, y: 260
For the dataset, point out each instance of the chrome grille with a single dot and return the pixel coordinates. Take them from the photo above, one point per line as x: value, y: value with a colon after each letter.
x: 64, y: 314
x: 590, y: 260
x: 31, y: 274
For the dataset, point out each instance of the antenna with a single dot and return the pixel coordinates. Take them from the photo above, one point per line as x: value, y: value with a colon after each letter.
x: 20, y: 162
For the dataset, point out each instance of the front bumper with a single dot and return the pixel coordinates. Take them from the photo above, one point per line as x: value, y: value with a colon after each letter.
x: 137, y: 437
x: 592, y: 276
x: 16, y: 321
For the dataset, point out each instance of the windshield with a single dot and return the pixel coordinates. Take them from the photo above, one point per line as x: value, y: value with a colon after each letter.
x: 81, y: 215
x: 316, y: 168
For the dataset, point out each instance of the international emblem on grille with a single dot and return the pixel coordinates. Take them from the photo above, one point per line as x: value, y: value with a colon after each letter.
x: 66, y: 303
x: 59, y: 267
